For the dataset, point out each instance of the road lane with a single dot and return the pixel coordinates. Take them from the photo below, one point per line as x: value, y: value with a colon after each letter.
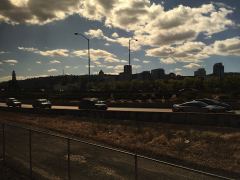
x: 109, y: 108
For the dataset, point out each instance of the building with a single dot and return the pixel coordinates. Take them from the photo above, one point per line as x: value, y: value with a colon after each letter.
x: 127, y: 73
x: 101, y: 75
x: 14, y: 78
x: 218, y: 70
x: 157, y: 73
x: 201, y: 72
x: 145, y: 75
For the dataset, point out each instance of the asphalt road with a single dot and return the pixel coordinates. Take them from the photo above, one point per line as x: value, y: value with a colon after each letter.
x: 49, y: 160
x: 109, y: 108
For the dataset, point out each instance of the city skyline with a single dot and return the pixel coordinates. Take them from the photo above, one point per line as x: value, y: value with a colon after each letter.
x: 178, y: 37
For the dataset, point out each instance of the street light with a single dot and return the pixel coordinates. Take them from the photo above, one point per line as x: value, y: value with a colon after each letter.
x: 88, y: 40
x: 129, y: 49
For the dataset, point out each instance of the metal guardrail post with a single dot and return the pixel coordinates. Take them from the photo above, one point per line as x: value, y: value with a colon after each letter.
x: 136, y: 166
x: 30, y: 152
x: 68, y: 159
x: 3, y: 141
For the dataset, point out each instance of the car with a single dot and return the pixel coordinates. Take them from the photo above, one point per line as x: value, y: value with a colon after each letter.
x: 197, y: 106
x: 92, y: 103
x: 215, y: 102
x: 13, y: 102
x: 42, y: 103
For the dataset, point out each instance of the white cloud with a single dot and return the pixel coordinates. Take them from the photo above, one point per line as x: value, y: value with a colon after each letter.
x: 168, y: 60
x: 11, y: 62
x: 36, y: 12
x: 136, y: 59
x: 187, y: 52
x: 52, y: 70
x: 50, y: 53
x: 95, y: 33
x: 97, y: 54
x: 67, y: 67
x: 146, y: 62
x: 3, y: 52
x: 39, y: 62
x: 227, y: 47
x: 192, y: 66
x: 178, y: 71
x: 54, y: 62
x: 53, y: 53
x: 115, y: 35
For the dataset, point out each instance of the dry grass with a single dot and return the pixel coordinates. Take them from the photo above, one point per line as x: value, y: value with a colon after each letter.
x: 206, y: 146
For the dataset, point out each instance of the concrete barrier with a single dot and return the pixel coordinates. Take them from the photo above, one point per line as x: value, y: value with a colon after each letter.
x: 208, y: 119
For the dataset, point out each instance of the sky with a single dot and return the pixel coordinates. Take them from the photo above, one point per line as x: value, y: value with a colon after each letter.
x: 37, y: 37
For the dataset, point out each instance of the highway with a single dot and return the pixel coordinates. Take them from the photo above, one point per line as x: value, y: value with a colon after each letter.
x: 112, y: 108
x: 109, y: 108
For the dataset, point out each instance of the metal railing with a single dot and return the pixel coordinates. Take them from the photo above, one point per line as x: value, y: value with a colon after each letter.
x: 67, y: 142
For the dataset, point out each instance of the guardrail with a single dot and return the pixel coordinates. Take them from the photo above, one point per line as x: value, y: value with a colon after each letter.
x: 19, y: 140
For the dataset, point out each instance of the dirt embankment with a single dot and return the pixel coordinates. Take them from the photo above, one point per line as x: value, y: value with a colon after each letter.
x: 207, y: 147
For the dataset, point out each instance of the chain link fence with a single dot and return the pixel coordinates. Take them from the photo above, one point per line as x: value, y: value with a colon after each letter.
x: 45, y: 155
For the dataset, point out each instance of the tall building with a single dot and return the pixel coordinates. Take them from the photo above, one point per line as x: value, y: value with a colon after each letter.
x: 218, y: 70
x: 14, y: 76
x: 157, y: 73
x: 127, y: 73
x: 201, y: 72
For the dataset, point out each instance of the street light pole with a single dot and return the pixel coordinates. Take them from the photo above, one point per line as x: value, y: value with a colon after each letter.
x: 89, y: 59
x: 129, y: 50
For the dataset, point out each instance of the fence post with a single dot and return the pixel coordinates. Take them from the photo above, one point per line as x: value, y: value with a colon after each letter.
x: 68, y: 158
x: 3, y: 141
x: 30, y: 152
x: 136, y: 166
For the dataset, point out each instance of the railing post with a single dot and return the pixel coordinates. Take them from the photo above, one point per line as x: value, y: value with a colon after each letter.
x: 68, y: 159
x: 4, y: 145
x: 136, y: 166
x: 30, y: 152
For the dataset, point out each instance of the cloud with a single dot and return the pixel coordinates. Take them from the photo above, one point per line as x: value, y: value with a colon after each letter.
x: 227, y: 47
x: 97, y: 54
x: 49, y: 53
x: 146, y: 62
x: 56, y: 52
x: 52, y: 70
x: 95, y: 33
x: 36, y: 12
x: 136, y: 59
x: 115, y: 35
x: 11, y: 62
x: 67, y: 67
x: 187, y: 52
x: 192, y: 66
x: 54, y: 62
x: 3, y: 52
x: 168, y: 60
x: 39, y: 62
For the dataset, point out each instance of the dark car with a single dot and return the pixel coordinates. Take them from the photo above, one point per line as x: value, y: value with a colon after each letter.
x: 197, y: 106
x: 42, y: 103
x: 215, y: 102
x: 13, y: 102
x: 92, y: 103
